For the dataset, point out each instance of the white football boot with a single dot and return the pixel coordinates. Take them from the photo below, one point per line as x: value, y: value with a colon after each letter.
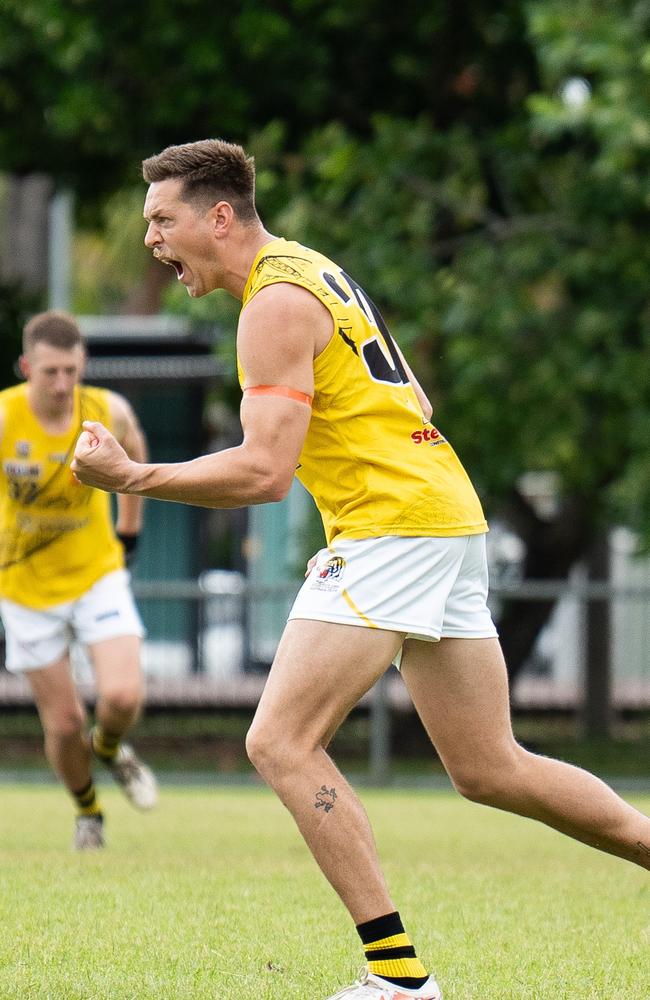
x: 370, y: 987
x: 135, y: 778
x: 88, y: 833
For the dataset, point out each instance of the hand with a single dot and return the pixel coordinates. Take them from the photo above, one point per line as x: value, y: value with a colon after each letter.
x: 100, y: 461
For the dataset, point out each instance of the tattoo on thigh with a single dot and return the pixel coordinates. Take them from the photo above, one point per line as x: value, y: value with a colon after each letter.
x: 325, y: 798
x: 643, y: 848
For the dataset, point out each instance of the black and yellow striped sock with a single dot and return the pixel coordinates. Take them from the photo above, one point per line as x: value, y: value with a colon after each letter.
x: 389, y: 952
x: 104, y: 745
x: 87, y: 801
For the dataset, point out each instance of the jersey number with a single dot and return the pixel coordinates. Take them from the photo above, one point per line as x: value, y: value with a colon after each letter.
x: 23, y: 492
x: 380, y: 368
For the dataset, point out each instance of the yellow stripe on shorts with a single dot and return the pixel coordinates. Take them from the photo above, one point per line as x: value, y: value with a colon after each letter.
x: 356, y: 610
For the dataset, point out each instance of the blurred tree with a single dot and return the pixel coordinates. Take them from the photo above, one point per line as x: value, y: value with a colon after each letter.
x: 483, y: 172
x: 86, y: 94
x: 513, y: 260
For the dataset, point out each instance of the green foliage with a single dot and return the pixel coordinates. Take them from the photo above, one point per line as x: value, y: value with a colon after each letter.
x: 110, y: 260
x: 85, y: 93
x: 512, y: 262
x: 483, y: 172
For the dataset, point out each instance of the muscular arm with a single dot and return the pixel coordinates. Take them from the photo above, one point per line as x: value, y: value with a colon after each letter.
x: 260, y: 470
x: 280, y: 331
x: 129, y: 434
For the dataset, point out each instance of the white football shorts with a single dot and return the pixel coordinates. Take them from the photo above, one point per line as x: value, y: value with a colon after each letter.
x: 428, y: 588
x: 35, y: 639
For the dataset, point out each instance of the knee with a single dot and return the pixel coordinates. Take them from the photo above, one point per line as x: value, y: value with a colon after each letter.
x: 490, y: 782
x: 65, y: 725
x: 476, y: 787
x: 269, y: 751
x: 259, y: 748
x: 123, y: 700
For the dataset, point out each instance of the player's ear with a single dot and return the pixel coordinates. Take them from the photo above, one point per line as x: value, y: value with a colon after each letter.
x: 24, y: 366
x: 222, y: 215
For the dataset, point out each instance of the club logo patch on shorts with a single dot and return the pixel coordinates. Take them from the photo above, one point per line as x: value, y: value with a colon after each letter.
x: 328, y: 575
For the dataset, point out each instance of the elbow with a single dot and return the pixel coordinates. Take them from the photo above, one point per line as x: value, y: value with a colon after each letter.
x: 277, y: 490
x: 273, y: 486
x: 268, y: 474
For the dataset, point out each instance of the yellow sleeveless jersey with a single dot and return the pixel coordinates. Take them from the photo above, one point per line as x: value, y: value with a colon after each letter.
x: 56, y: 535
x: 371, y: 464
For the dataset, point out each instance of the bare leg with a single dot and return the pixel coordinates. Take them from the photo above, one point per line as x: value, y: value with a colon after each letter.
x: 63, y: 719
x: 120, y: 691
x: 120, y: 687
x: 460, y: 690
x: 319, y: 673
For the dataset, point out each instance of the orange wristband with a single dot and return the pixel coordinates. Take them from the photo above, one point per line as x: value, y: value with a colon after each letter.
x: 279, y: 390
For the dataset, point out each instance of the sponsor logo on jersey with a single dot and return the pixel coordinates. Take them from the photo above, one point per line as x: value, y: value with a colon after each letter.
x: 57, y: 457
x: 23, y: 449
x: 20, y: 470
x: 430, y: 435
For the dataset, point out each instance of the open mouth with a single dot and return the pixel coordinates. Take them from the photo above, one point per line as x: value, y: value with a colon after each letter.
x: 178, y: 267
x: 176, y: 264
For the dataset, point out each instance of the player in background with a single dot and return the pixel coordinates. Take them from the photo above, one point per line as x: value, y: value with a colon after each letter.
x: 62, y: 568
x: 328, y: 396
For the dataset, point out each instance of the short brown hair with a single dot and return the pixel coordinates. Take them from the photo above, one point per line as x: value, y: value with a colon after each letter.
x: 211, y: 170
x: 56, y: 328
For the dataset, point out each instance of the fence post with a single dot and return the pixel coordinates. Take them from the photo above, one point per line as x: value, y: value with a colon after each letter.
x: 379, y: 763
x: 60, y: 228
x: 597, y: 697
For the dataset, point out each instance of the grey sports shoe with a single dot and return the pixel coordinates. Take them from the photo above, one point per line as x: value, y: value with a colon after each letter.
x: 89, y: 833
x: 135, y: 778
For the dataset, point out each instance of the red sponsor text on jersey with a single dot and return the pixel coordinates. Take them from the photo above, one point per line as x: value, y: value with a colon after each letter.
x: 428, y: 434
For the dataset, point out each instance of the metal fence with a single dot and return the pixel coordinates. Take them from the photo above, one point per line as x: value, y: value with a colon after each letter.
x: 223, y: 658
x: 223, y: 663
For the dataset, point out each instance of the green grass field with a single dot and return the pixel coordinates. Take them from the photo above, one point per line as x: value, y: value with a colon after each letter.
x: 215, y: 897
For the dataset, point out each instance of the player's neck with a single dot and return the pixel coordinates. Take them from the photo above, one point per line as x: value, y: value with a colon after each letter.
x: 54, y: 417
x: 241, y: 261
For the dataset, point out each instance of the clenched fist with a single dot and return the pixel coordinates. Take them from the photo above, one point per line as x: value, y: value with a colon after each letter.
x: 100, y: 461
